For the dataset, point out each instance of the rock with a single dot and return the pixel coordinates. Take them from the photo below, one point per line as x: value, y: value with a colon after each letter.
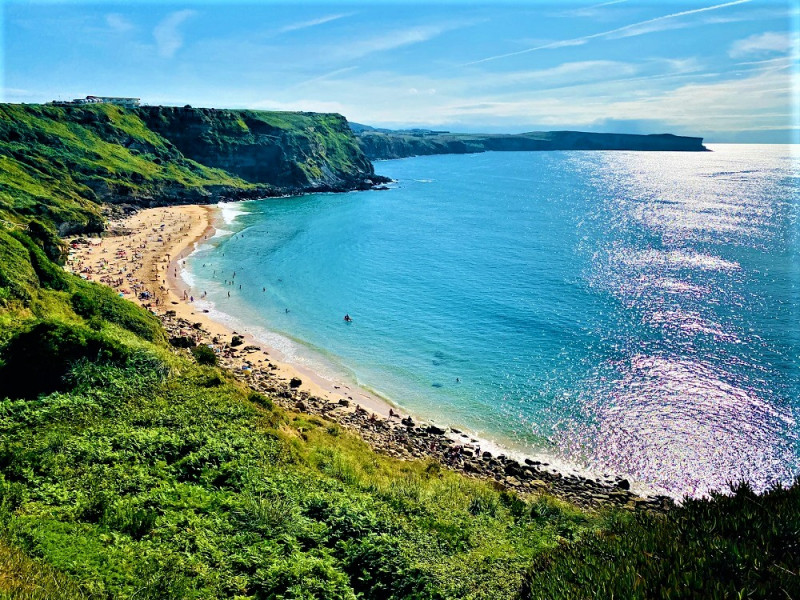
x: 471, y: 467
x: 301, y: 406
x: 623, y: 484
x: 435, y: 430
x: 343, y: 402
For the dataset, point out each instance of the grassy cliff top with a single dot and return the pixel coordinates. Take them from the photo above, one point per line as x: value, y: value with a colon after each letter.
x: 60, y: 163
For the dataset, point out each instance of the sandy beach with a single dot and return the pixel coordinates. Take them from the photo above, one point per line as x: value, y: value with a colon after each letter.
x: 142, y: 256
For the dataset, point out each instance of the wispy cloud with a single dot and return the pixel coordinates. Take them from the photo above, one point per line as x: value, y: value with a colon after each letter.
x: 758, y: 44
x: 588, y: 11
x: 167, y: 33
x: 640, y: 28
x: 394, y: 39
x: 117, y: 23
x: 325, y: 76
x: 313, y: 22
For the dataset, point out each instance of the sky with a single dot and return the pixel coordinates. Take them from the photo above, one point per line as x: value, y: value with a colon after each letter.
x: 726, y: 70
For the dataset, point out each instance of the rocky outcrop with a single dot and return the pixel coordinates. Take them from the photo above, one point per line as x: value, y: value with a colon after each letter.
x: 399, y: 144
x: 290, y: 151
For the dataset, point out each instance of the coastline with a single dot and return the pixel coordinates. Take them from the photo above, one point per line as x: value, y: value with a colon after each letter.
x: 146, y: 252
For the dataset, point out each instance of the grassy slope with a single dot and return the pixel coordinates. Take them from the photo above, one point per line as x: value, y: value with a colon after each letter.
x: 127, y: 471
x: 60, y: 163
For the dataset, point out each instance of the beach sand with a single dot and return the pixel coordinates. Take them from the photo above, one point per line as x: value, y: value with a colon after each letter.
x: 145, y: 253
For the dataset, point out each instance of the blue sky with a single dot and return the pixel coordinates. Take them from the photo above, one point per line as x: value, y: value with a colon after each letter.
x: 724, y: 70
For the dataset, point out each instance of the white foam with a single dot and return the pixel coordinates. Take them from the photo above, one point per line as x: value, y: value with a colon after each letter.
x: 229, y: 211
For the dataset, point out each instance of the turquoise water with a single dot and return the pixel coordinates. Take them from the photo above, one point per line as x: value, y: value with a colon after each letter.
x: 629, y: 312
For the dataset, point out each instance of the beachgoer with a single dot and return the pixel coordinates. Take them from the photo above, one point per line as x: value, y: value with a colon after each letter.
x: 348, y: 319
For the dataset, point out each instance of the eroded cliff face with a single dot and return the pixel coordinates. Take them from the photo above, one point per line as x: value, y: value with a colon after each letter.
x: 291, y: 151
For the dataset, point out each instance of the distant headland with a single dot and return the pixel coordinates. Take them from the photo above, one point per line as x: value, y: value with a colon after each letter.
x: 380, y: 144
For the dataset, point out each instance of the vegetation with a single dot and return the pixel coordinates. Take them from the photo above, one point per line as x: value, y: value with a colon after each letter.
x: 737, y: 546
x: 59, y: 163
x: 204, y: 355
x: 133, y: 467
x: 385, y: 143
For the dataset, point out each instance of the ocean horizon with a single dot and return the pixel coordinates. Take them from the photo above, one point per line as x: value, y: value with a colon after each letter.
x: 629, y: 313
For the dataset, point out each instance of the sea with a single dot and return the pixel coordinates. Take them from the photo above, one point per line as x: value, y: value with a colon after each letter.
x: 626, y: 313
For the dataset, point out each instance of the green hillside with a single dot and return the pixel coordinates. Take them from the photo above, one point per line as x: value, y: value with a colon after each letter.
x: 129, y: 470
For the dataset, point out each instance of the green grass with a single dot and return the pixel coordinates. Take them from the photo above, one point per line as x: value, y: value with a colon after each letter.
x: 740, y: 545
x: 60, y: 163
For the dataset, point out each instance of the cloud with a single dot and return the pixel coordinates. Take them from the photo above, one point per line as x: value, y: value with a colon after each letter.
x: 325, y: 76
x: 167, y: 33
x: 760, y: 101
x: 304, y: 104
x: 312, y: 22
x: 649, y: 26
x: 394, y: 39
x: 118, y: 23
x: 592, y: 11
x: 770, y: 41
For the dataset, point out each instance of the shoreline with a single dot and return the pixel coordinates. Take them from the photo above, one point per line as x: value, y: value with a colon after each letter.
x: 142, y: 256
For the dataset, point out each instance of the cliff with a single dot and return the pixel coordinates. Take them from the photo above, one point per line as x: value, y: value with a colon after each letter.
x: 383, y: 144
x: 59, y: 164
x: 303, y: 151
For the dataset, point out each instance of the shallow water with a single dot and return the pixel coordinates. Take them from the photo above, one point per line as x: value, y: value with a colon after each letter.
x: 629, y: 312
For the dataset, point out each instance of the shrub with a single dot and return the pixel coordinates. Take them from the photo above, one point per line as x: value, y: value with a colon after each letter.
x: 94, y: 301
x: 261, y: 400
x: 204, y: 355
x: 37, y: 359
x: 737, y: 546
